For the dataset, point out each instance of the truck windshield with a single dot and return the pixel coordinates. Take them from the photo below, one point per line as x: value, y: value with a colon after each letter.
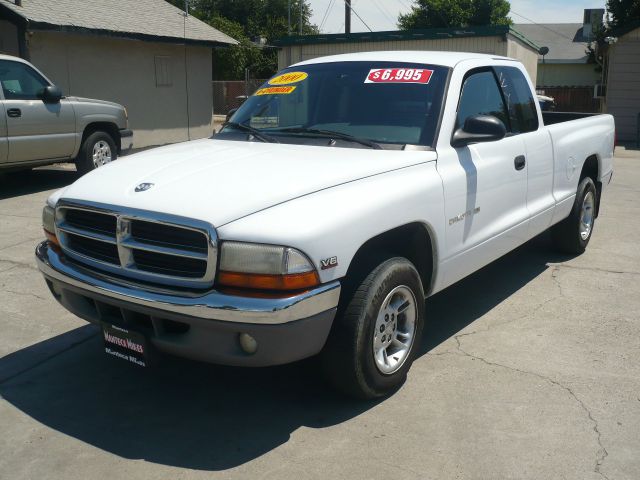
x: 356, y: 104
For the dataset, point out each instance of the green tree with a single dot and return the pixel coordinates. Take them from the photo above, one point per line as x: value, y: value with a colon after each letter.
x: 247, y: 21
x: 455, y: 13
x: 230, y: 63
x: 257, y: 17
x: 622, y: 12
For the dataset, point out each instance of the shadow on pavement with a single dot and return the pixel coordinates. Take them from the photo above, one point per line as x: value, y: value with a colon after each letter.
x: 205, y: 417
x: 452, y: 309
x: 15, y: 184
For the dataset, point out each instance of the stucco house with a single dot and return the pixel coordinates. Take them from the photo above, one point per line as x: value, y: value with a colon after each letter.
x: 623, y: 82
x: 566, y: 72
x: 144, y: 54
x: 567, y: 63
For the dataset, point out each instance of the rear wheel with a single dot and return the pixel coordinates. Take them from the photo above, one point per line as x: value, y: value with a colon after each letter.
x: 97, y: 150
x: 375, y: 336
x: 572, y: 235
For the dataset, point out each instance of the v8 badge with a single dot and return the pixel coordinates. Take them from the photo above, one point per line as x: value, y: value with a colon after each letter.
x: 329, y: 263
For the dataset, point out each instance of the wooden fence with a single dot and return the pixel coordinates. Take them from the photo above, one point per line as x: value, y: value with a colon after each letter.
x: 572, y: 99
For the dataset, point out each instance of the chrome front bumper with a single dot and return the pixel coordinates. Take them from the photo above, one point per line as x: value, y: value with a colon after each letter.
x: 212, y: 305
x: 209, y: 324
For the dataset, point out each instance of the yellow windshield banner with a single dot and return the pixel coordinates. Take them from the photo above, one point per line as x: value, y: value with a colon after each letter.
x: 275, y: 91
x: 288, y: 78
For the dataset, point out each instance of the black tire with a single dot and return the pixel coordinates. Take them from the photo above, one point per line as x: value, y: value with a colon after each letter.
x: 348, y: 357
x: 84, y: 160
x: 566, y: 235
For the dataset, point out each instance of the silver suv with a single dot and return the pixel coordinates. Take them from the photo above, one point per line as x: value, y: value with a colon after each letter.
x: 40, y: 126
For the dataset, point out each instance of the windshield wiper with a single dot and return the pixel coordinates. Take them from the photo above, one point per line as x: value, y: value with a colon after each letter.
x: 253, y: 131
x: 331, y: 134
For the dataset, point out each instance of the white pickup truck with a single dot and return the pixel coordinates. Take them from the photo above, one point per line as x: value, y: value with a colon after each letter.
x: 340, y: 195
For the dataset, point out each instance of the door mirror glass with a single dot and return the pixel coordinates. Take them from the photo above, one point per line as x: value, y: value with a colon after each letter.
x: 51, y: 94
x: 479, y: 128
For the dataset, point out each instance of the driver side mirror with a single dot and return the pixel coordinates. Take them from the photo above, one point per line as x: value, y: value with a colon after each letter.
x: 51, y: 94
x: 477, y: 129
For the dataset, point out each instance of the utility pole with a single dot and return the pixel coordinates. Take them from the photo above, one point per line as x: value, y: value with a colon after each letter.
x: 301, y: 5
x: 347, y: 16
x: 186, y: 68
x: 289, y: 17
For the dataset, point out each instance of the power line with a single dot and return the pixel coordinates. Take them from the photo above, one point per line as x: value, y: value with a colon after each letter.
x: 359, y: 18
x: 383, y: 12
x: 543, y: 26
x: 326, y: 13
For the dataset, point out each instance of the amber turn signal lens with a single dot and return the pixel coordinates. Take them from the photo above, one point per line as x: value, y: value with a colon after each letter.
x: 294, y: 281
x: 52, y: 238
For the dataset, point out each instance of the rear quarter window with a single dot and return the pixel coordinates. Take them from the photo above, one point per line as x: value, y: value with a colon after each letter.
x: 521, y: 105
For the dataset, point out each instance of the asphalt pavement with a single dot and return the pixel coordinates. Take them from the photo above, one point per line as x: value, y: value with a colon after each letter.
x: 530, y: 369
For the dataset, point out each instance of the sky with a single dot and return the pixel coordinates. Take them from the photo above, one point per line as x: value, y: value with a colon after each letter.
x: 383, y: 14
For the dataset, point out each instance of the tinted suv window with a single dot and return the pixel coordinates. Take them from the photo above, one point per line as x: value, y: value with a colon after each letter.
x: 520, y: 102
x: 19, y: 81
x: 481, y: 96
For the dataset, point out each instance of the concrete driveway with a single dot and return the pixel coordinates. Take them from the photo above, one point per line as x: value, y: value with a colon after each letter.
x: 530, y: 369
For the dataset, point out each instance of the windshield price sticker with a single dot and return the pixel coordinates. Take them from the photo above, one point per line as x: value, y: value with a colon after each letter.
x: 275, y: 91
x: 288, y: 78
x: 399, y: 75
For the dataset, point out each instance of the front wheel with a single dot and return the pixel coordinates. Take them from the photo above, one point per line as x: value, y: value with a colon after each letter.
x: 97, y: 150
x: 572, y: 235
x: 377, y: 332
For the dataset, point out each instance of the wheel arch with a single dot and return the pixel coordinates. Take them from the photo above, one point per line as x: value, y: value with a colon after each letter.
x: 591, y: 168
x: 414, y: 241
x: 108, y: 127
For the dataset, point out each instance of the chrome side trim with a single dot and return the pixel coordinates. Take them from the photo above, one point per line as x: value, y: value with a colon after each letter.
x: 126, y: 244
x: 211, y: 305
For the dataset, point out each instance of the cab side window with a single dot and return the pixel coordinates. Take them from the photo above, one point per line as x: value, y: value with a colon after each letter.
x: 20, y: 82
x: 481, y: 96
x: 520, y: 102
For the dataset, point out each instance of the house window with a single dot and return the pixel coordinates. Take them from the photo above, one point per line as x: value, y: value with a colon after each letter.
x: 163, y: 71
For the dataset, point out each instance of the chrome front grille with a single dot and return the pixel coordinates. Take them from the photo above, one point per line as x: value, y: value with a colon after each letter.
x: 142, y: 245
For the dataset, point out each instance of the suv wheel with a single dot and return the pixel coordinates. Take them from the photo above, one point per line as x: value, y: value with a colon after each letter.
x: 97, y: 150
x: 377, y: 332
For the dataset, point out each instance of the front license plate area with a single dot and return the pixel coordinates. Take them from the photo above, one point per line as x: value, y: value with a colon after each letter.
x: 127, y: 345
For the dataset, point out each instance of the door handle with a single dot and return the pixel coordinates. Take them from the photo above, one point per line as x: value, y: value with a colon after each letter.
x: 519, y: 162
x: 14, y: 112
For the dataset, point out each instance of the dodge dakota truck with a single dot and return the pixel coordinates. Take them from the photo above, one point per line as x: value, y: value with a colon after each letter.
x: 40, y: 126
x: 340, y: 195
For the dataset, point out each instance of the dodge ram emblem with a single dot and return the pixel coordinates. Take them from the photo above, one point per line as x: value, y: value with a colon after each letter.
x: 143, y: 187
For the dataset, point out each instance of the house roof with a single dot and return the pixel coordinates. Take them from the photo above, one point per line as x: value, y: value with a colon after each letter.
x: 155, y: 20
x: 565, y: 40
x: 417, y: 34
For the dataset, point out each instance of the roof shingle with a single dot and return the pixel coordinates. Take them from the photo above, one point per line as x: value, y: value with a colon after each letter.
x: 152, y: 19
x: 565, y: 40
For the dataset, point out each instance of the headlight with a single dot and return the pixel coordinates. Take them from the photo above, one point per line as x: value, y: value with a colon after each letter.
x: 49, y: 224
x: 265, y: 267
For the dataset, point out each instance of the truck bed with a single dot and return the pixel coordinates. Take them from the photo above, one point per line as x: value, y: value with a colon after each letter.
x: 549, y: 118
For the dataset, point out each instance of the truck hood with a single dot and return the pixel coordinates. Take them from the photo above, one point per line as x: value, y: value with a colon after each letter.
x: 93, y: 100
x: 219, y: 181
